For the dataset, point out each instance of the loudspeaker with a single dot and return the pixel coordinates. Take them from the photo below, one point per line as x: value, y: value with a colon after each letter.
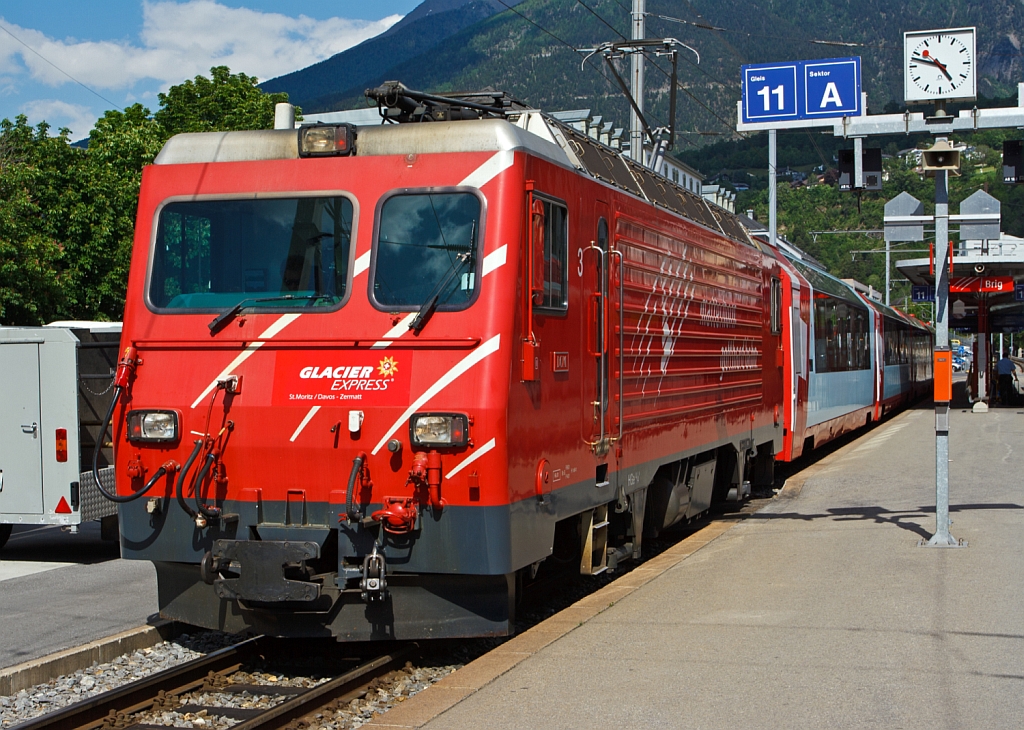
x: 941, y: 156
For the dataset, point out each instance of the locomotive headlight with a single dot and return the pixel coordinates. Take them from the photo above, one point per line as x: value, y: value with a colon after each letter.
x: 439, y: 429
x: 325, y: 140
x: 153, y: 426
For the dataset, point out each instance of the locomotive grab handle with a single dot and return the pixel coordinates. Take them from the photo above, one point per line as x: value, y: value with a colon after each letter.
x: 594, y: 319
x: 619, y: 279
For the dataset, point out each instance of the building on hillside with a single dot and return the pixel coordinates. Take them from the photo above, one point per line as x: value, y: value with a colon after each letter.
x: 720, y: 196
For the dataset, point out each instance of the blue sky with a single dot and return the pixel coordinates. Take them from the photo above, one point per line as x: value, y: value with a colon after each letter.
x: 127, y: 51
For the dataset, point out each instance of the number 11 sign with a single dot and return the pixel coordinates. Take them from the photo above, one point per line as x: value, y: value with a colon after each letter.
x: 797, y: 91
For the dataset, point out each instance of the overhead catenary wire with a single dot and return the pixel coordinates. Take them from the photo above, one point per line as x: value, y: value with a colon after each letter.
x: 665, y: 73
x: 788, y: 39
x: 544, y: 30
x: 84, y: 86
x: 562, y: 41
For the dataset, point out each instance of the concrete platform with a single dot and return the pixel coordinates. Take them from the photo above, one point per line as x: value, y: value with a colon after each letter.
x: 821, y: 610
x: 59, y: 591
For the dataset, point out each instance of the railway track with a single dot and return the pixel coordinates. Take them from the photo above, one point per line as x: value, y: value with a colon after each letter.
x: 213, y: 678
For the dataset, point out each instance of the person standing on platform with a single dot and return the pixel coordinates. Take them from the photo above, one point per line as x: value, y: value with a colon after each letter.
x: 1007, y: 373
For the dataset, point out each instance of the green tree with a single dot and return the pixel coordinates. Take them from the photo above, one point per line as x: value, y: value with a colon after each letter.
x: 67, y: 215
x: 223, y: 102
x: 35, y: 170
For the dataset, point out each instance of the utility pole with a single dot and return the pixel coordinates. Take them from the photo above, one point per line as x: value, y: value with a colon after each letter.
x: 773, y: 190
x: 636, y: 60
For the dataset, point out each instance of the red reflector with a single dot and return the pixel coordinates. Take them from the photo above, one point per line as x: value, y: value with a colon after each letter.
x: 63, y: 508
x: 62, y: 445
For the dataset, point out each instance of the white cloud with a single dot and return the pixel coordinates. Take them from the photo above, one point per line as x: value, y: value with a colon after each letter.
x: 79, y: 119
x: 181, y: 40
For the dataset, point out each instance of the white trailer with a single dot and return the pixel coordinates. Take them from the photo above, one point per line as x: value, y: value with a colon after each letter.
x: 55, y: 387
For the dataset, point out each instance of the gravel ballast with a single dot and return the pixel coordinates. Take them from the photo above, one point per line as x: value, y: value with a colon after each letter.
x: 384, y: 693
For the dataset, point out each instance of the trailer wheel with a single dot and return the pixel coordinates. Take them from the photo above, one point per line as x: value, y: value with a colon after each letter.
x: 5, y: 532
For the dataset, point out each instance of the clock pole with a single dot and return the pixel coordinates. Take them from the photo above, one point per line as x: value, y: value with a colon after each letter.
x: 942, y: 538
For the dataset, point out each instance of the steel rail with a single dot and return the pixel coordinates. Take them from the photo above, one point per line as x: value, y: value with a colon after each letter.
x: 343, y: 688
x: 140, y: 694
x: 114, y: 709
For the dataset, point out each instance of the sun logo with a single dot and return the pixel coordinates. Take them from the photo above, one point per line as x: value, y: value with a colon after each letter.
x: 387, y: 366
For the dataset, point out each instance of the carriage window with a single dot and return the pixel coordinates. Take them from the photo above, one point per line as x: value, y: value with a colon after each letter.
x: 556, y: 253
x: 214, y: 254
x: 841, y: 335
x: 427, y: 245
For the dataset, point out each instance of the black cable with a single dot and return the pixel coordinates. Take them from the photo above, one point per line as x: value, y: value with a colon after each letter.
x: 178, y: 493
x: 209, y: 512
x: 564, y: 43
x: 91, y: 91
x: 354, y: 513
x: 666, y: 74
x: 119, y: 499
x: 540, y: 28
x: 594, y: 13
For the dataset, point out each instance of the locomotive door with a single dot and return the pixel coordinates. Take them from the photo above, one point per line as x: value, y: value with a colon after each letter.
x: 599, y: 421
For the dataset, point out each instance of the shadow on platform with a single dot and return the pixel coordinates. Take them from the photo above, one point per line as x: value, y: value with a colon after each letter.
x: 881, y: 515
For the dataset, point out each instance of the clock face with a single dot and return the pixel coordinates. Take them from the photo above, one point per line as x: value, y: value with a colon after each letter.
x: 939, y: 64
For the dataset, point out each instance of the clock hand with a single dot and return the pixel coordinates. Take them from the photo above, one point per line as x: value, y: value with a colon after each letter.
x: 928, y: 58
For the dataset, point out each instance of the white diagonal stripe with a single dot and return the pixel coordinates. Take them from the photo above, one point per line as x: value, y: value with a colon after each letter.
x: 395, y: 332
x: 488, y: 348
x: 283, y: 321
x: 494, y: 259
x: 498, y: 163
x: 307, y: 419
x: 476, y: 455
x: 362, y: 264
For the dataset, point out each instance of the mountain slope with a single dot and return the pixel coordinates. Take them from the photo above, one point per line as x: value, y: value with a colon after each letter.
x: 316, y: 87
x: 534, y: 59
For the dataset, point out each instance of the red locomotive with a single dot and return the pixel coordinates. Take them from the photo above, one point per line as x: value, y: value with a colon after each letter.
x: 373, y: 377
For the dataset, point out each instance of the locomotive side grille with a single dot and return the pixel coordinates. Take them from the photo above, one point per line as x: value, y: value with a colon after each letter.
x: 612, y: 166
x: 692, y: 323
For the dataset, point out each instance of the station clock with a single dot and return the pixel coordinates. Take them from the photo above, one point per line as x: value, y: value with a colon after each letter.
x: 939, y: 65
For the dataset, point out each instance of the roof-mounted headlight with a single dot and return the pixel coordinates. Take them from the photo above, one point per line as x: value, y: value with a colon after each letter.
x: 327, y: 140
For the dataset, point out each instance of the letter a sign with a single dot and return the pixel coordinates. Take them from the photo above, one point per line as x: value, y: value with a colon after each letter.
x: 832, y: 87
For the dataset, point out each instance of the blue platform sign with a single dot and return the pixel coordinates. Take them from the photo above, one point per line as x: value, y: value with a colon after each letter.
x: 800, y: 90
x: 1018, y: 292
x: 922, y: 293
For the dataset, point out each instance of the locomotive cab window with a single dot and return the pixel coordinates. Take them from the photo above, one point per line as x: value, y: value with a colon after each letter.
x: 776, y: 306
x: 269, y: 252
x: 427, y: 247
x: 555, y: 296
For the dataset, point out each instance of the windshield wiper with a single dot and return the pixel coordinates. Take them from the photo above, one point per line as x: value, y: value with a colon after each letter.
x: 222, y: 319
x: 431, y: 304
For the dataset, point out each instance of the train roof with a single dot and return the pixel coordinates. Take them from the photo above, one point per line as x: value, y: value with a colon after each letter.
x: 483, y: 135
x: 514, y: 128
